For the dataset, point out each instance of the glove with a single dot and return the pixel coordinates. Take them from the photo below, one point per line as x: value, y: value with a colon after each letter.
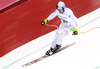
x: 75, y: 32
x: 44, y: 21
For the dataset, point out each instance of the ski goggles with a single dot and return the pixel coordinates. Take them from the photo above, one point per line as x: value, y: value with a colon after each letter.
x: 60, y: 8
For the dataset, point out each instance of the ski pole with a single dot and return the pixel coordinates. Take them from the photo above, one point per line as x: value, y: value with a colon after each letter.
x: 52, y: 25
x: 88, y: 30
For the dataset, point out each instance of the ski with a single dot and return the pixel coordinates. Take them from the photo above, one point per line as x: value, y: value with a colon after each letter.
x: 45, y: 56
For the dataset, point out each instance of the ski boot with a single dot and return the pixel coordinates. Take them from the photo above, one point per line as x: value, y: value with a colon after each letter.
x: 53, y: 50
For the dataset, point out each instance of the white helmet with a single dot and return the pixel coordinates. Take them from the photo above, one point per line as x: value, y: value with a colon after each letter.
x: 60, y: 5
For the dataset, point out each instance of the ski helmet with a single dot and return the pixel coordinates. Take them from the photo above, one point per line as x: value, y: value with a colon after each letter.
x: 60, y: 5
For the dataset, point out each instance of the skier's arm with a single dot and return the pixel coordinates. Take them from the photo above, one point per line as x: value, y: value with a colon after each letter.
x: 73, y: 17
x: 50, y: 17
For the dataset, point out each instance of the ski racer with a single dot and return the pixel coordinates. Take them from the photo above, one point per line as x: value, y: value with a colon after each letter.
x: 68, y: 25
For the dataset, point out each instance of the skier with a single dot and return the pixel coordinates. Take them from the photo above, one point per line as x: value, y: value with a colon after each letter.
x: 68, y: 25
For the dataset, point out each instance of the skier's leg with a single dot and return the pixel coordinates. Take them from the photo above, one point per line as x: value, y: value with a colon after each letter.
x: 59, y: 37
x: 53, y: 47
x: 56, y: 43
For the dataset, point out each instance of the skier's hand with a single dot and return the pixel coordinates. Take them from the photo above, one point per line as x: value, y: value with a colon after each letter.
x: 44, y: 21
x: 75, y: 32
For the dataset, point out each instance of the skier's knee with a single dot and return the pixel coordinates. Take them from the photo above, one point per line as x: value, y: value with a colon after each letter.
x: 59, y: 32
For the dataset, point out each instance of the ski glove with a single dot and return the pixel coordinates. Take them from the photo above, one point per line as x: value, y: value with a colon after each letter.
x: 75, y: 32
x: 44, y: 21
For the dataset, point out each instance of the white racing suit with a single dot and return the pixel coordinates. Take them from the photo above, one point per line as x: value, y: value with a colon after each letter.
x: 68, y: 24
